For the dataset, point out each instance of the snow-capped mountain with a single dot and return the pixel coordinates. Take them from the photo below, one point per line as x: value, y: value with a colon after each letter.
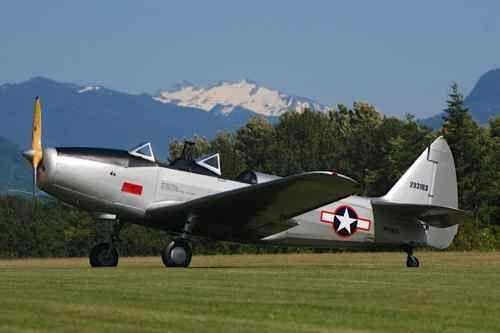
x: 88, y: 88
x: 225, y: 97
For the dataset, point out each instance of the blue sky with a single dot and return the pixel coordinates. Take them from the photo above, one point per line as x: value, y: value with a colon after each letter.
x: 400, y: 56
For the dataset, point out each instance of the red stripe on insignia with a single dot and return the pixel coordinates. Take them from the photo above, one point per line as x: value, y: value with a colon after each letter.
x: 132, y: 188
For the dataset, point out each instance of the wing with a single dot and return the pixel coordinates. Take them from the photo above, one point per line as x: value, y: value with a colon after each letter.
x: 252, y: 212
x: 437, y: 216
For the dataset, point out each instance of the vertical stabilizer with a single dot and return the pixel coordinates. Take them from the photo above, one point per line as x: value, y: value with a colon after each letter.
x: 431, y: 180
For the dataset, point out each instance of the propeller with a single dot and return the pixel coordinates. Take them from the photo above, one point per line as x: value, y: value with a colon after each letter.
x: 35, y: 154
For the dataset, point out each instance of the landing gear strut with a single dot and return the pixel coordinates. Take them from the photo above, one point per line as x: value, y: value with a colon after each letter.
x: 178, y: 253
x: 411, y: 260
x: 105, y: 254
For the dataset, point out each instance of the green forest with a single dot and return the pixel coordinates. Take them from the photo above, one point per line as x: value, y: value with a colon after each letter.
x: 357, y: 141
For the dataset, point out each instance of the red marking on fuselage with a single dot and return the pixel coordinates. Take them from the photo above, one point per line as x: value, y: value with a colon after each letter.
x: 366, y: 220
x: 132, y: 188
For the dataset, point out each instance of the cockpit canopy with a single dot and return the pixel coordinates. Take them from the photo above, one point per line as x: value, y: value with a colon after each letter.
x: 206, y: 165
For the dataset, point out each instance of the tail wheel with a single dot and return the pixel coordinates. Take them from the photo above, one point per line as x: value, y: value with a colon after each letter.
x: 177, y: 254
x: 103, y: 255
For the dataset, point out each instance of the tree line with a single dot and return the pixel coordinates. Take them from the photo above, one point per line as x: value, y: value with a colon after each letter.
x: 357, y: 141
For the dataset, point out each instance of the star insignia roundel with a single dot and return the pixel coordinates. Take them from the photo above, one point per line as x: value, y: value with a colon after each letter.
x: 345, y: 221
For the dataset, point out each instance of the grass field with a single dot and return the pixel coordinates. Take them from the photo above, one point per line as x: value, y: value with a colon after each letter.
x: 360, y: 292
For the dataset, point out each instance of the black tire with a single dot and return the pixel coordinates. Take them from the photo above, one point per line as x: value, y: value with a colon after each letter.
x: 103, y: 255
x: 177, y: 254
x: 412, y: 262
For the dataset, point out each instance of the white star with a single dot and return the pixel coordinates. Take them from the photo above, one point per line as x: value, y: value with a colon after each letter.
x: 345, y: 221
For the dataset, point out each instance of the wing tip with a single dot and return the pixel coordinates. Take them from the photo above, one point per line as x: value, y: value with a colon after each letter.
x: 334, y: 173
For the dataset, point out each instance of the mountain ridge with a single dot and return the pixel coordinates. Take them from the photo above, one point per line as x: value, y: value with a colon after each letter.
x: 102, y: 117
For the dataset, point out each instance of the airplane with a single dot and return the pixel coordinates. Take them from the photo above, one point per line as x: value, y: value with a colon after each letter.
x: 189, y: 197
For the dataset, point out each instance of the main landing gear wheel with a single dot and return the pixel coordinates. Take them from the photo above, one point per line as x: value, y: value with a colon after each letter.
x: 177, y: 254
x: 103, y: 255
x: 106, y: 254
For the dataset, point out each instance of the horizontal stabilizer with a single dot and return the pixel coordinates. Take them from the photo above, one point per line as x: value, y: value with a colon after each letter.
x: 436, y: 216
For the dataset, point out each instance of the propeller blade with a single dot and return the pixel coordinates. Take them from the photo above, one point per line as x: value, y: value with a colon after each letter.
x: 35, y: 154
x: 36, y: 142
